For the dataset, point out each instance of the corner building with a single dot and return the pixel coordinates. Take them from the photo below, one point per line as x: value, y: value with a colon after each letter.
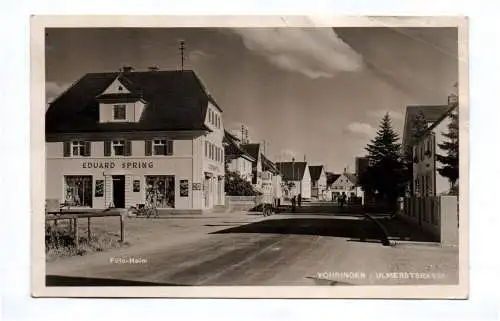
x: 126, y: 138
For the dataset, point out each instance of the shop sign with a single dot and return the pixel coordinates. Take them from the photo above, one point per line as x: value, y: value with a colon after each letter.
x: 112, y: 164
x: 213, y: 168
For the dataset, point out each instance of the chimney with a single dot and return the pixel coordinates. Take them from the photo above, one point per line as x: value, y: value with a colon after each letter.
x: 153, y: 68
x: 127, y: 69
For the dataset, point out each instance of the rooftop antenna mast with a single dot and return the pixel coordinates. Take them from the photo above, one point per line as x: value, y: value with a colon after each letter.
x: 182, y: 47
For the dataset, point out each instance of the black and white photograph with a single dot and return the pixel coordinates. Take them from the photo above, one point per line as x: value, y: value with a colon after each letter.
x: 286, y: 159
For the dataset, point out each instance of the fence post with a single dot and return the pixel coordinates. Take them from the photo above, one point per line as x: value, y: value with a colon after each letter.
x: 88, y: 228
x: 75, y: 230
x: 121, y: 229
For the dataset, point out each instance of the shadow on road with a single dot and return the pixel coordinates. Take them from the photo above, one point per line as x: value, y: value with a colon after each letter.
x: 354, y: 229
x: 59, y: 280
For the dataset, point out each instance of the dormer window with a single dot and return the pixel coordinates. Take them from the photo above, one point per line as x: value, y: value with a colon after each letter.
x: 119, y: 112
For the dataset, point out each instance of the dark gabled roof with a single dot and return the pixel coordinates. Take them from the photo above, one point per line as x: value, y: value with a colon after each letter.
x: 431, y: 113
x: 331, y: 177
x: 175, y: 100
x: 232, y: 150
x: 268, y: 165
x: 292, y: 171
x: 252, y: 149
x: 230, y: 135
x: 352, y: 177
x: 436, y: 123
x: 315, y: 172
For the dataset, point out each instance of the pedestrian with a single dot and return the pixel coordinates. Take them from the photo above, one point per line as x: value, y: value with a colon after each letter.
x: 293, y: 203
x: 342, y: 199
x: 299, y: 200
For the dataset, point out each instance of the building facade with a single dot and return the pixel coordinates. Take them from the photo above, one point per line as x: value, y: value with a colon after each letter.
x: 237, y: 160
x: 318, y: 181
x: 427, y: 181
x: 128, y: 138
x: 296, y: 179
x: 346, y: 183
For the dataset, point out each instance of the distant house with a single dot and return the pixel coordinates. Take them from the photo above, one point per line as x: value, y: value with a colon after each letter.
x: 318, y: 181
x: 426, y: 179
x: 254, y: 150
x: 271, y: 179
x: 346, y: 183
x: 296, y: 178
x: 236, y: 158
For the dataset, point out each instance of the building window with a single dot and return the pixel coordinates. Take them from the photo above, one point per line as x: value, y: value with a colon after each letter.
x: 206, y: 149
x: 119, y: 112
x: 162, y: 147
x: 78, y: 190
x: 160, y: 191
x: 118, y: 147
x: 77, y: 148
x: 417, y: 186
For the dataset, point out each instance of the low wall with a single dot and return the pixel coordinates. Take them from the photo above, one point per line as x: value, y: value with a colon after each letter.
x: 240, y: 203
x: 437, y: 216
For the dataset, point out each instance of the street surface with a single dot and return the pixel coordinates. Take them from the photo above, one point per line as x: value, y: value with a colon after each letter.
x: 240, y: 248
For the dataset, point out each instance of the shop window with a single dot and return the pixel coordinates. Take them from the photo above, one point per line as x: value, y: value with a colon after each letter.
x: 78, y: 190
x: 162, y: 147
x: 160, y: 191
x: 119, y: 112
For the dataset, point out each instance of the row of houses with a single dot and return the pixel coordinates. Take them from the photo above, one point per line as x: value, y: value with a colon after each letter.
x: 118, y: 139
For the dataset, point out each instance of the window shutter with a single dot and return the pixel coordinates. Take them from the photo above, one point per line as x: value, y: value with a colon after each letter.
x: 67, y: 149
x: 170, y: 147
x: 148, y: 148
x: 107, y: 148
x: 88, y: 147
x: 128, y: 148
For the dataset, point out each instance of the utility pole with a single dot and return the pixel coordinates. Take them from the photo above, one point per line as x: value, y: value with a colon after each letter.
x: 182, y: 47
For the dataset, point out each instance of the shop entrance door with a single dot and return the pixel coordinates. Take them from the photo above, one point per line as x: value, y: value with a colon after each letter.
x: 119, y: 191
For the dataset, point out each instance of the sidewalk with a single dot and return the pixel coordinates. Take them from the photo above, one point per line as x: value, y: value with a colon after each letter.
x: 147, y: 234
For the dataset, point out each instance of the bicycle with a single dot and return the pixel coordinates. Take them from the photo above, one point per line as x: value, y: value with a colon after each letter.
x: 267, y: 209
x: 146, y: 210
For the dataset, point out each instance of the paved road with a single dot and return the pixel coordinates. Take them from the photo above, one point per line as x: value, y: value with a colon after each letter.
x: 283, y: 249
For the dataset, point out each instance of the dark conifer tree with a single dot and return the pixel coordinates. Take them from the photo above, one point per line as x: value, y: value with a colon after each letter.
x: 386, y: 174
x: 450, y: 167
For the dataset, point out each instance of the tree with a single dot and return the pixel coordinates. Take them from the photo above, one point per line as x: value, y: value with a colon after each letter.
x: 385, y: 177
x: 235, y: 185
x: 450, y: 168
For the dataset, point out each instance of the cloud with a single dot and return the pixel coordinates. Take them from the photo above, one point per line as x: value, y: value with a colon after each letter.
x: 315, y: 53
x: 54, y: 89
x: 379, y: 114
x: 197, y: 55
x: 286, y: 155
x: 361, y: 129
x: 235, y: 129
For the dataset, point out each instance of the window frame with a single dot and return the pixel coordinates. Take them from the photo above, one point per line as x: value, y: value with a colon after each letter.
x: 115, y: 107
x: 121, y: 142
x: 80, y: 144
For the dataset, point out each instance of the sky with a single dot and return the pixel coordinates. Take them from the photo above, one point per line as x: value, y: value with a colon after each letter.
x: 317, y: 94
